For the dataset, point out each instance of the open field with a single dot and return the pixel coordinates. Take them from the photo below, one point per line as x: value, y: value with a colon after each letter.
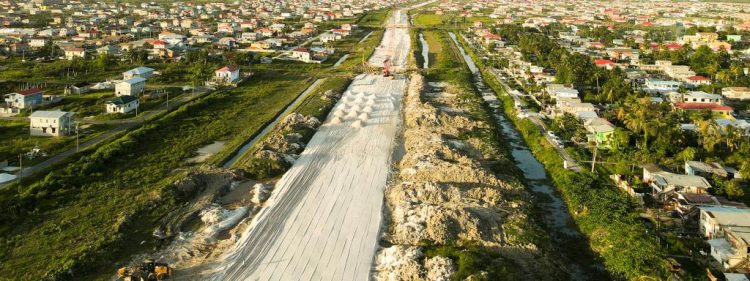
x: 63, y: 222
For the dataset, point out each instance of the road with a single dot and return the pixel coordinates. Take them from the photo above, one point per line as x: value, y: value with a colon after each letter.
x: 269, y: 127
x: 323, y: 220
x: 121, y: 125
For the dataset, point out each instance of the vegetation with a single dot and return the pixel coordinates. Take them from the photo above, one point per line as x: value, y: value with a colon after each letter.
x: 57, y: 227
x: 604, y: 214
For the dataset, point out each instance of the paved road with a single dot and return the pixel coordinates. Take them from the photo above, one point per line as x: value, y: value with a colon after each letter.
x: 268, y: 128
x: 121, y: 125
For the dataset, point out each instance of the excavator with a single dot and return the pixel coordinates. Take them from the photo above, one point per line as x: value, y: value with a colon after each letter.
x: 149, y: 270
x: 387, y: 68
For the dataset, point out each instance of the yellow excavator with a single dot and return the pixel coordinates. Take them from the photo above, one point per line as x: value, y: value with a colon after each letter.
x: 149, y: 270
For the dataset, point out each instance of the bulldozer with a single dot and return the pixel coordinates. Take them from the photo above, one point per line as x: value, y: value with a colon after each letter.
x: 149, y: 270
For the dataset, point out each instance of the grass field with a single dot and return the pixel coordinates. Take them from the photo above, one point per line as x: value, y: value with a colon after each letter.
x: 65, y: 221
x: 428, y: 20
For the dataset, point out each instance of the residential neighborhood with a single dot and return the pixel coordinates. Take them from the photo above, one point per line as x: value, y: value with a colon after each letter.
x: 384, y: 140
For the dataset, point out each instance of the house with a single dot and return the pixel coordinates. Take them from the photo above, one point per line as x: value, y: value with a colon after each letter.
x: 736, y: 93
x: 695, y: 97
x: 561, y: 91
x: 78, y: 88
x: 28, y: 98
x: 51, y: 123
x: 72, y: 53
x: 608, y: 64
x: 600, y: 132
x: 722, y: 110
x: 697, y: 168
x: 728, y: 231
x: 302, y: 54
x: 130, y: 87
x: 227, y: 74
x: 122, y: 104
x: 665, y: 185
x: 697, y: 80
x: 141, y: 71
x: 661, y: 86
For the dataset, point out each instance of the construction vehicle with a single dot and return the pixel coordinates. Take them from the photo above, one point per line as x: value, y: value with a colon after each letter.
x: 149, y: 270
x: 387, y: 68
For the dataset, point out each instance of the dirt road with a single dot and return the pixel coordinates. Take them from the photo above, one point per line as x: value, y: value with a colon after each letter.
x: 323, y: 220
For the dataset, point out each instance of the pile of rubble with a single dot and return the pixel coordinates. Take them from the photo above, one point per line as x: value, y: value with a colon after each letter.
x: 444, y: 195
x: 286, y: 143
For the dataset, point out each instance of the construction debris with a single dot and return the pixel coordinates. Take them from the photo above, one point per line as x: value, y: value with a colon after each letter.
x: 444, y: 193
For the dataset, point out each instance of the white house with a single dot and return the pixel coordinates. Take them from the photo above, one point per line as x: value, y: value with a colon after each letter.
x: 130, y: 87
x: 559, y: 91
x: 122, y: 104
x: 302, y: 54
x: 736, y: 93
x: 141, y: 71
x: 72, y: 53
x: 728, y: 231
x: 661, y: 86
x: 51, y: 123
x: 695, y: 97
x: 227, y: 74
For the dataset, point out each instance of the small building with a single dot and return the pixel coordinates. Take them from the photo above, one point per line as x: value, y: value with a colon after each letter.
x: 722, y: 110
x: 122, y: 104
x: 736, y: 93
x: 51, y: 123
x: 141, y: 71
x: 697, y: 80
x: 227, y: 74
x: 28, y: 98
x: 695, y: 97
x: 665, y: 184
x: 661, y: 86
x: 302, y: 54
x: 558, y: 91
x: 728, y: 231
x: 130, y: 87
x: 697, y: 168
x: 78, y: 88
x: 600, y: 132
x: 72, y: 53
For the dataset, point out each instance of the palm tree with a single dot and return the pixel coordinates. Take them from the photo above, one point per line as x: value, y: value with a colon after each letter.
x: 732, y: 137
x: 710, y: 134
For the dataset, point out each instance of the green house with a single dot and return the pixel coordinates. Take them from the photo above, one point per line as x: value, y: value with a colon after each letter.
x: 600, y: 132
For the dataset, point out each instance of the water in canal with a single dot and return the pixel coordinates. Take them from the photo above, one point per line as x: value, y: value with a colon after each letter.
x: 556, y: 215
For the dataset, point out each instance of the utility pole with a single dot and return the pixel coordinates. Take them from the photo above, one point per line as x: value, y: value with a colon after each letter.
x: 78, y: 147
x: 593, y: 160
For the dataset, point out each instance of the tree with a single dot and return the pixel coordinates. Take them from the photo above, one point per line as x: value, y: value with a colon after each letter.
x: 710, y: 134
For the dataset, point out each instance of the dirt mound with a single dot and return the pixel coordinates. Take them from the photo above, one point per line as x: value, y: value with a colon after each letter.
x: 399, y: 263
x: 444, y: 193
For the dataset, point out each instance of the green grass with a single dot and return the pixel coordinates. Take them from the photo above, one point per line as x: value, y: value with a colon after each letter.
x: 86, y: 213
x: 314, y: 106
x: 428, y: 20
x: 15, y: 139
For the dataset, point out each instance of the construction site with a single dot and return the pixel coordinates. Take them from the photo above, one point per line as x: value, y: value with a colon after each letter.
x: 324, y: 216
x: 388, y: 170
